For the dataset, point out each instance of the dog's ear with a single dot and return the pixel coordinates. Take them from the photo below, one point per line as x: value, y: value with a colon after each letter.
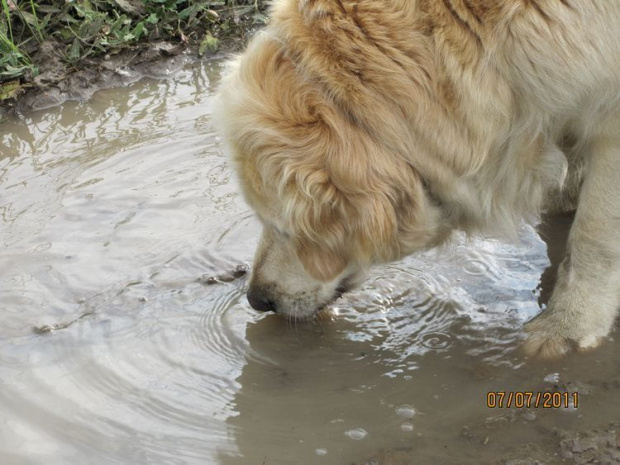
x: 320, y: 263
x: 341, y: 206
x: 359, y: 229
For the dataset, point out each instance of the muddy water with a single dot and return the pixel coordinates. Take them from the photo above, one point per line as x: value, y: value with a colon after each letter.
x: 118, y: 345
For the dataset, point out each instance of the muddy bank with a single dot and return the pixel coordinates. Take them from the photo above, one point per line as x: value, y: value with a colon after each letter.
x: 56, y: 50
x: 56, y: 84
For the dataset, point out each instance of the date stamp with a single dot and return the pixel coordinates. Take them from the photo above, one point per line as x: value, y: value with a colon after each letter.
x: 532, y: 399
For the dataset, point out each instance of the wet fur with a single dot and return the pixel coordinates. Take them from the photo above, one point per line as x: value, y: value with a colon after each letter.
x: 363, y: 131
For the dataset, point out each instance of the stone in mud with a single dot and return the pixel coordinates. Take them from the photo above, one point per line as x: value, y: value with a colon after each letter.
x: 208, y: 280
x: 44, y: 99
x: 241, y: 270
x: 50, y: 63
x: 238, y: 272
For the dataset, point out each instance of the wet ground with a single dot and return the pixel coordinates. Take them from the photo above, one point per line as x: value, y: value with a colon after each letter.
x: 125, y: 336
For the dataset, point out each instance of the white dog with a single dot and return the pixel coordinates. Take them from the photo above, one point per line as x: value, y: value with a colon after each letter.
x: 366, y: 130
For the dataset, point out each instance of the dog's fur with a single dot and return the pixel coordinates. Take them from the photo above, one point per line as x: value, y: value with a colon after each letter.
x: 365, y: 130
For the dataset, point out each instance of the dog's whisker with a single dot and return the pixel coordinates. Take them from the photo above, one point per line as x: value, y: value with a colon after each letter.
x: 318, y: 320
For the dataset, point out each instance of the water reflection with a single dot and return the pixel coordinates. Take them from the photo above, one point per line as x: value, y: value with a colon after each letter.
x: 113, y: 209
x: 92, y: 191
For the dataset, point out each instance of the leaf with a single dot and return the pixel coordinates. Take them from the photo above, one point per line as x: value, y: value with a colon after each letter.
x: 45, y: 21
x: 244, y: 10
x: 29, y: 18
x: 95, y: 27
x: 83, y: 29
x: 117, y: 26
x: 81, y: 12
x: 209, y: 43
x: 152, y: 19
x: 48, y: 9
x: 66, y: 33
x: 67, y: 18
x: 74, y: 51
x: 140, y: 30
x: 9, y: 89
x: 13, y: 71
x: 190, y: 11
x: 171, y: 16
x: 212, y: 15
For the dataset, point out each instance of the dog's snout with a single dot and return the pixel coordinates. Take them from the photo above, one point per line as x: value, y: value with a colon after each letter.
x: 259, y: 301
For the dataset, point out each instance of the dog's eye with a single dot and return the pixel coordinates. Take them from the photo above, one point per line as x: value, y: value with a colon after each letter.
x: 278, y: 230
x: 284, y: 234
x: 269, y: 224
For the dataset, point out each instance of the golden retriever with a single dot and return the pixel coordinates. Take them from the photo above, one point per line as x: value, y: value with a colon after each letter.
x: 365, y: 130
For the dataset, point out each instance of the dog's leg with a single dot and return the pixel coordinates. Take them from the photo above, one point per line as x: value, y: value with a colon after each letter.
x: 584, y: 303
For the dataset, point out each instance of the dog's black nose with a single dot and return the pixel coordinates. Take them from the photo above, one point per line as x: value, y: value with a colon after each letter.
x: 260, y: 302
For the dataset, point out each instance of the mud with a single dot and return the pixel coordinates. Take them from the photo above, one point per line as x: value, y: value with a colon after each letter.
x: 56, y: 84
x: 552, y: 445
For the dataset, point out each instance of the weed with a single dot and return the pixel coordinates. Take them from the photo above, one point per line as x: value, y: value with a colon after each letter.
x: 85, y: 28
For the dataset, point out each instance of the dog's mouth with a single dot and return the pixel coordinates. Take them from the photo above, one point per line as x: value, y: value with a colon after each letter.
x: 347, y: 284
x: 327, y: 310
x: 344, y: 287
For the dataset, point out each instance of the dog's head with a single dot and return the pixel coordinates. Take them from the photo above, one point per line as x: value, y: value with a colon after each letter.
x: 332, y: 199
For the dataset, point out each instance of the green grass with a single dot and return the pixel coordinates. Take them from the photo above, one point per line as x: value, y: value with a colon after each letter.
x: 86, y: 28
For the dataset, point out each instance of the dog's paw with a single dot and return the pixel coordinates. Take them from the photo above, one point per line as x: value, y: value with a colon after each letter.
x: 546, y: 344
x: 548, y: 338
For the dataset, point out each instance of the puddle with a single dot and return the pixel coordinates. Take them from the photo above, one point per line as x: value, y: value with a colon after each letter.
x: 125, y: 335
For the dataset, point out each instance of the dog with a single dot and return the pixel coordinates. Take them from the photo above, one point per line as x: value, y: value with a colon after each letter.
x: 363, y: 131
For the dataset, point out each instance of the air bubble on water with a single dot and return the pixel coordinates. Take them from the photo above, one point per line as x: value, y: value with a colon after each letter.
x: 357, y: 434
x: 407, y: 427
x: 405, y: 411
x: 552, y: 378
x: 321, y: 452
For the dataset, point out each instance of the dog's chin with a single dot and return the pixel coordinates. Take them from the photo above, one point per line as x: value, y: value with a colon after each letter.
x: 320, y: 312
x: 324, y: 310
